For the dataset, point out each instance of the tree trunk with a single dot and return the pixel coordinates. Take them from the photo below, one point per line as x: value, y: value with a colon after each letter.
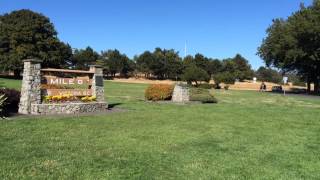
x: 316, y: 82
x: 316, y: 86
x: 308, y: 85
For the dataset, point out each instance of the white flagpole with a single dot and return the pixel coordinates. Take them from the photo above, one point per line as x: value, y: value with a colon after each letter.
x: 185, y: 49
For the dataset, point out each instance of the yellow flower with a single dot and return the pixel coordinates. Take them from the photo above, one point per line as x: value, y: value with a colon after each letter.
x: 59, y: 97
x: 92, y: 98
x: 85, y: 98
x: 48, y: 98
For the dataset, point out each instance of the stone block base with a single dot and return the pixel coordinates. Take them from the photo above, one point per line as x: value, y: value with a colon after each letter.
x: 180, y: 94
x: 68, y: 108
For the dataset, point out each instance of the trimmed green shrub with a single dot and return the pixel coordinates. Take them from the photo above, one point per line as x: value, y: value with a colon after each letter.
x: 202, y: 95
x: 205, y: 86
x: 11, y: 104
x: 159, y: 92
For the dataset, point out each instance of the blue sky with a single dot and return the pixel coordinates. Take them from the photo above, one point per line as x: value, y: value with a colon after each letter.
x: 215, y: 28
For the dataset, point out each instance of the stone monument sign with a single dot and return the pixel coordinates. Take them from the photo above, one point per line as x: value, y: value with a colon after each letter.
x: 61, y: 91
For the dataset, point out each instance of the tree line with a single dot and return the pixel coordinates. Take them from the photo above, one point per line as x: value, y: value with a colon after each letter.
x: 26, y: 34
x: 164, y: 64
x: 291, y: 45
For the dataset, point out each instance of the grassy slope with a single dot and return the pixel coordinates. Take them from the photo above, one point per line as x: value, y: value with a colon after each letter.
x: 248, y: 135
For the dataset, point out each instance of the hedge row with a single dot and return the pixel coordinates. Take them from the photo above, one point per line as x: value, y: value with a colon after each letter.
x: 202, y: 95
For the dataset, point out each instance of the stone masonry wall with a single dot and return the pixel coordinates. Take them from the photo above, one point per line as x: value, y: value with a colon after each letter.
x: 97, y: 83
x: 180, y: 94
x: 68, y: 108
x: 31, y: 82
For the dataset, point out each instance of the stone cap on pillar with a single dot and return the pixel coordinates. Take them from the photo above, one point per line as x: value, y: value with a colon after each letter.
x: 96, y: 68
x: 33, y: 60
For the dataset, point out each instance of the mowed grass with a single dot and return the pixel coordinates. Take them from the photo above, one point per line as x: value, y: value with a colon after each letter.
x: 247, y: 135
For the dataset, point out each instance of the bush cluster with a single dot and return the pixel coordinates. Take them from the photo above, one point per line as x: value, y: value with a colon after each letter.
x: 159, y: 92
x: 205, y: 86
x: 202, y: 95
x: 11, y: 104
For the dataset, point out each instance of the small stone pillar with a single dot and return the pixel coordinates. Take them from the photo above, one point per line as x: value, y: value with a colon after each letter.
x: 97, y: 82
x: 31, y: 85
x: 180, y: 94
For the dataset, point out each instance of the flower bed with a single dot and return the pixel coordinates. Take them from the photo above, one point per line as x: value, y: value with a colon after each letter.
x: 67, y: 98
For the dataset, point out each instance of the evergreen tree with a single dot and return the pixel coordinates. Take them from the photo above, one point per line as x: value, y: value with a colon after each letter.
x: 26, y: 34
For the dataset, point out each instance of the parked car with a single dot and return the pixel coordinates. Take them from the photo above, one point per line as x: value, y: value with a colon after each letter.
x: 277, y: 89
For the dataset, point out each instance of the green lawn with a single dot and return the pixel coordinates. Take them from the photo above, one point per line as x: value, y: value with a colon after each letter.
x: 247, y: 135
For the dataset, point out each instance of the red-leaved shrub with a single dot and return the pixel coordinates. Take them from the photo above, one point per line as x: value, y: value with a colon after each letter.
x: 159, y: 92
